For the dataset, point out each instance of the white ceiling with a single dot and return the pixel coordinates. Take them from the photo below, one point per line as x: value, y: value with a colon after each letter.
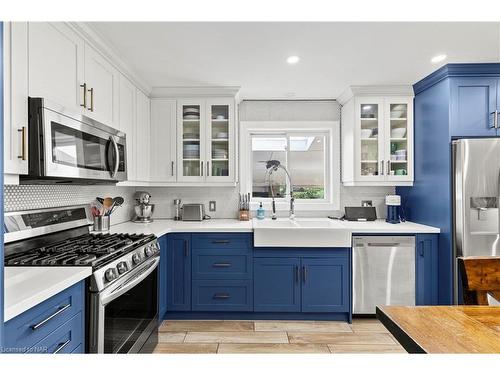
x: 333, y: 55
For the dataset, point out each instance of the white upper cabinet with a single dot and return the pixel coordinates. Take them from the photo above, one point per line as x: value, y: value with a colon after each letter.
x: 127, y: 123
x: 205, y: 140
x: 377, y: 136
x: 163, y: 140
x: 102, y: 88
x: 56, y: 64
x: 15, y: 48
x: 142, y: 136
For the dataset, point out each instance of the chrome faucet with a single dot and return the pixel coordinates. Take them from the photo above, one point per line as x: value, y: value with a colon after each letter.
x: 272, y: 166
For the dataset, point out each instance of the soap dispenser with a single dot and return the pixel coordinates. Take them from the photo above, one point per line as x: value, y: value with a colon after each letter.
x: 261, y: 213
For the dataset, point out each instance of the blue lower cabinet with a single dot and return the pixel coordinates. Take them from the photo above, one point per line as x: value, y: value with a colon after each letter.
x: 55, y: 325
x: 426, y: 269
x: 65, y: 339
x: 277, y: 284
x: 222, y: 295
x: 162, y: 278
x: 326, y: 284
x: 178, y: 272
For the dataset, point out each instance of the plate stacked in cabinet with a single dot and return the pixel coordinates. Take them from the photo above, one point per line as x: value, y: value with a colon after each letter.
x: 399, y: 142
x: 191, y: 140
x: 220, y: 140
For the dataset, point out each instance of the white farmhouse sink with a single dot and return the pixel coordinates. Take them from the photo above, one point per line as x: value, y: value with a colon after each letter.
x: 300, y: 233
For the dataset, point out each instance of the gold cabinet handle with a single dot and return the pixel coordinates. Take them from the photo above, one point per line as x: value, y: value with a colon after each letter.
x: 91, y: 90
x: 23, y: 143
x: 84, y: 87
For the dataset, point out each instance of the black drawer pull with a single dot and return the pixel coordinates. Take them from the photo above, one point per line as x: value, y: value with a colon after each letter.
x: 222, y: 296
x: 61, y: 346
x: 46, y: 320
x: 221, y: 241
x: 221, y: 265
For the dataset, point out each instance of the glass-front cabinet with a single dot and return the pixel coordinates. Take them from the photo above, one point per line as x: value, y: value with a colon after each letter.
x: 377, y: 140
x: 205, y: 140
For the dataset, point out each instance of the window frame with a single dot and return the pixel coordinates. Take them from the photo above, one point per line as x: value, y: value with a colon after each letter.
x: 331, y: 132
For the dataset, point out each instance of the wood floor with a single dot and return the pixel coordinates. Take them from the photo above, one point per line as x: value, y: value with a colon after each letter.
x: 265, y: 336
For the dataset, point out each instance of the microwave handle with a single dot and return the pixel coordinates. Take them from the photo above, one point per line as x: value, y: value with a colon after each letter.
x: 117, y: 152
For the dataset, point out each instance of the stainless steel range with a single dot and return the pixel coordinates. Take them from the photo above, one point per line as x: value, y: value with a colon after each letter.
x: 122, y: 292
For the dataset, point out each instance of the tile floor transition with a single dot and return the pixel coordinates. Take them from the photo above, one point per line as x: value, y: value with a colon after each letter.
x: 268, y: 336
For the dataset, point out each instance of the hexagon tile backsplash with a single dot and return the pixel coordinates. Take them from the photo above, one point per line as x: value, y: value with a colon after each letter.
x: 30, y: 197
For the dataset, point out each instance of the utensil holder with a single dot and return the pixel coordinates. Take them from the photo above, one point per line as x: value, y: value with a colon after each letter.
x: 101, y: 223
x: 244, y: 215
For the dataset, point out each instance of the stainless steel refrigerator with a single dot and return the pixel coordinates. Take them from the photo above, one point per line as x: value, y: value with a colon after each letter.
x: 476, y: 193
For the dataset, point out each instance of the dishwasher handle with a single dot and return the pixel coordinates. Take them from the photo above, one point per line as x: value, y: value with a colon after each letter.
x: 383, y: 244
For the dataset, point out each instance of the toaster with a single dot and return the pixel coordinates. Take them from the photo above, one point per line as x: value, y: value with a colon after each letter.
x: 193, y: 212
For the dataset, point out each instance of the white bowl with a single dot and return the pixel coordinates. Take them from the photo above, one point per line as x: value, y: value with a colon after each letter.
x: 366, y: 133
x: 398, y: 132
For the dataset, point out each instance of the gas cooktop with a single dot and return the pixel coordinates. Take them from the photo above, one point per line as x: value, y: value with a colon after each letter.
x: 85, y: 250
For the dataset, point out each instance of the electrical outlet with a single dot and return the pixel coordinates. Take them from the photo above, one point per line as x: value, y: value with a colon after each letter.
x: 366, y: 203
x: 211, y: 206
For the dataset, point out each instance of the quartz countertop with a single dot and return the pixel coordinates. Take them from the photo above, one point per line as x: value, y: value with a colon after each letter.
x: 26, y: 287
x: 160, y: 227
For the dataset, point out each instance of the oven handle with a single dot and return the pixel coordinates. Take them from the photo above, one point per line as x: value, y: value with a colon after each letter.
x: 113, y: 292
x: 117, y: 152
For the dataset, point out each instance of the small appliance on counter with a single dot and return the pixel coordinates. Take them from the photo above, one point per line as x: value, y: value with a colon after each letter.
x: 365, y: 213
x: 394, y: 210
x: 177, y: 209
x: 143, y: 208
x: 194, y: 212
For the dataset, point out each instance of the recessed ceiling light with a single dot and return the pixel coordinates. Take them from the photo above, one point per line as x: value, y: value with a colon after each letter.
x: 293, y: 59
x: 438, y: 58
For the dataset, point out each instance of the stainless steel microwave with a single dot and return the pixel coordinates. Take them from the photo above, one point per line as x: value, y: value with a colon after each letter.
x: 72, y: 148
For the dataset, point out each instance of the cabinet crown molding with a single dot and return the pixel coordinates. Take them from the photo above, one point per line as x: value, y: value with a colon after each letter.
x: 194, y: 91
x: 385, y: 90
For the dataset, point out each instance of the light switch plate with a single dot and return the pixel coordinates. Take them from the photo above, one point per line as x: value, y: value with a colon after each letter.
x: 212, y: 206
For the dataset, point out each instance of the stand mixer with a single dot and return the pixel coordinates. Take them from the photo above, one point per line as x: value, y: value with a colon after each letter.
x: 143, y: 208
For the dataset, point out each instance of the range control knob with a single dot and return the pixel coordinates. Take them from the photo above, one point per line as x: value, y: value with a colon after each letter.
x: 149, y: 251
x: 122, y: 267
x: 110, y: 274
x: 137, y: 258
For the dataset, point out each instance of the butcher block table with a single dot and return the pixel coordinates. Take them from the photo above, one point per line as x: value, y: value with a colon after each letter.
x: 444, y: 329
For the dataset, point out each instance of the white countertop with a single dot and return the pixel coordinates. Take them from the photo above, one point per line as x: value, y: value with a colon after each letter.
x: 162, y: 226
x: 26, y: 287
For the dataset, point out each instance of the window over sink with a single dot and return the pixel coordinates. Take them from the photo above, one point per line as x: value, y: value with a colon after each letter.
x: 308, y: 150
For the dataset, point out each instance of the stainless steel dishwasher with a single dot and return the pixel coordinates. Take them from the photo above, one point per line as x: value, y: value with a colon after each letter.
x: 383, y: 272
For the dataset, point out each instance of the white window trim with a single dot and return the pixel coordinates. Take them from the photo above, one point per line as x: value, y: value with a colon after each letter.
x: 332, y: 192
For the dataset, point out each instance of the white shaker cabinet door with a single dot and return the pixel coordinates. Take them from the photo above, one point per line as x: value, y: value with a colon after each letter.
x: 163, y: 140
x: 142, y: 136
x: 127, y: 123
x: 102, y: 85
x: 56, y: 58
x: 15, y: 42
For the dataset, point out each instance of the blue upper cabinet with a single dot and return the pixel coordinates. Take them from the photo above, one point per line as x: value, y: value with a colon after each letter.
x: 326, y: 284
x: 179, y: 272
x: 277, y: 284
x: 473, y: 105
x: 162, y: 284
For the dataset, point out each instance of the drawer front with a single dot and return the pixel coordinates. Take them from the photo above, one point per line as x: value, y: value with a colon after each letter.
x: 23, y: 331
x: 235, y: 241
x: 65, y: 339
x: 222, y: 265
x: 222, y: 295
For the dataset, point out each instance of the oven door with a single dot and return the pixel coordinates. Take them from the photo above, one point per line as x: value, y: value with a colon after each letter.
x: 75, y: 149
x: 124, y: 317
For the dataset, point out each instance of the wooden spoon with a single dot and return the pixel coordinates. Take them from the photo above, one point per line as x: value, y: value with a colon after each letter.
x: 108, y: 203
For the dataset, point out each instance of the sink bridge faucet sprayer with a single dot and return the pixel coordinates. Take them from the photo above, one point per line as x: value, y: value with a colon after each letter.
x: 272, y: 166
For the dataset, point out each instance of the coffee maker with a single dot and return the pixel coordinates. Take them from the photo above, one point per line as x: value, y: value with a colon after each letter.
x: 394, y: 210
x: 143, y: 207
